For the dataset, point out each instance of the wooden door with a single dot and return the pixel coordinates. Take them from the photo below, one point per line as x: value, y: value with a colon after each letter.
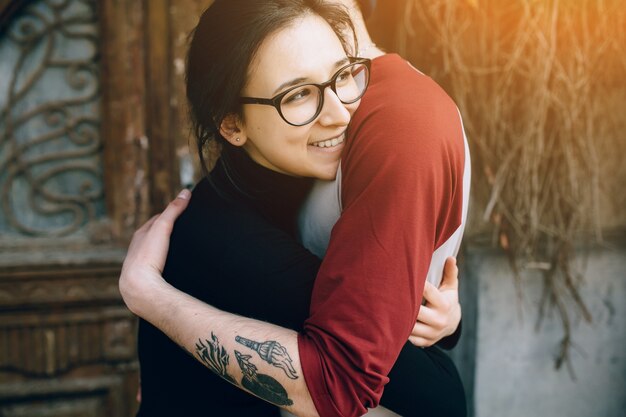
x: 93, y: 140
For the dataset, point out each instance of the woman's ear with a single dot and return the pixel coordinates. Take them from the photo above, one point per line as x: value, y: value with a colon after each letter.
x: 231, y: 130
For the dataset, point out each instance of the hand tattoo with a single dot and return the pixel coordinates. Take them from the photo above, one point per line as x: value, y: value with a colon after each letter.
x: 273, y: 353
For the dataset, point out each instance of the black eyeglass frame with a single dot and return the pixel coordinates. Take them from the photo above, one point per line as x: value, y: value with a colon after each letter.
x: 276, y: 100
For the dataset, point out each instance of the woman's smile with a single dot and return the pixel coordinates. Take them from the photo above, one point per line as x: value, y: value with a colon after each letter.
x: 333, y: 142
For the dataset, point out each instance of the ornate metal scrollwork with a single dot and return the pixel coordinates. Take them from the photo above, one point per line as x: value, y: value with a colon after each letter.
x: 50, y: 165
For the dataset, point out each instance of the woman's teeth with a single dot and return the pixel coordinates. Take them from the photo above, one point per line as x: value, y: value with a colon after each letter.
x: 329, y: 143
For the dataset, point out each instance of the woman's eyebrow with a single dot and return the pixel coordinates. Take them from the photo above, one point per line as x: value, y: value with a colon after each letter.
x: 300, y: 80
x: 290, y: 83
x: 342, y: 62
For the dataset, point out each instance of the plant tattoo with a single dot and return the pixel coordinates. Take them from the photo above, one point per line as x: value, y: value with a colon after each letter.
x: 214, y: 357
x: 271, y: 352
x: 264, y: 386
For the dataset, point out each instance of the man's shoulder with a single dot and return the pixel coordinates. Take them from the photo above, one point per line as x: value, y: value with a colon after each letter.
x: 406, y: 125
x: 404, y: 94
x: 405, y: 114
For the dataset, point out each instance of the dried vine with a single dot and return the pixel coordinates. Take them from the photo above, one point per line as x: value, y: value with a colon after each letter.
x: 537, y: 83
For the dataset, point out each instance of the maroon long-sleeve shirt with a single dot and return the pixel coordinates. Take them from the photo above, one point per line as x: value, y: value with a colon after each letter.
x: 402, y: 199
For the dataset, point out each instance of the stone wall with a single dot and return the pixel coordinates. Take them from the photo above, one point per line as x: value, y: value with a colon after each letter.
x: 514, y: 369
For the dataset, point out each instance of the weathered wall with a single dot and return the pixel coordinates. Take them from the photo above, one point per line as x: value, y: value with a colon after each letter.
x: 514, y: 365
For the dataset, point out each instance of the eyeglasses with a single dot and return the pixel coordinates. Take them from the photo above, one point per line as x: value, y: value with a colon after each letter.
x: 301, y: 104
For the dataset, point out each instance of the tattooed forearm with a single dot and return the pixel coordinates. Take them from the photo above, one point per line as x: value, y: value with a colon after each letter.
x: 264, y: 386
x: 214, y: 357
x: 273, y: 353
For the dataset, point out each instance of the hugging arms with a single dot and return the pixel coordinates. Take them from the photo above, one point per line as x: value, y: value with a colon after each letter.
x: 402, y: 195
x: 280, y: 296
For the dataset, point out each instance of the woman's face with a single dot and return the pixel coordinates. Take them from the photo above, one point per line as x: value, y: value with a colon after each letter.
x: 306, y: 52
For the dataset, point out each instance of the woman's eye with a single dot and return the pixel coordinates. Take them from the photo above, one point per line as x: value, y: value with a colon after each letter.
x: 344, y: 75
x: 298, y: 95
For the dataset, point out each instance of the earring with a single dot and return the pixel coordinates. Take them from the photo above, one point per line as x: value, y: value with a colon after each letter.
x: 237, y: 139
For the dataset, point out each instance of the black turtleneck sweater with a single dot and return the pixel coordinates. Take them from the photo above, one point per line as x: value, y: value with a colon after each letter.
x: 234, y: 247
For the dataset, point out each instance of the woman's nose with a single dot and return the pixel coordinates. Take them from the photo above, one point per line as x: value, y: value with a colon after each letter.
x: 334, y: 112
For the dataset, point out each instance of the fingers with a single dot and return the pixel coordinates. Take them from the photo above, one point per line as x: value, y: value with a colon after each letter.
x: 177, y: 206
x: 433, y: 295
x: 441, y: 313
x: 425, y: 331
x: 450, y: 278
x: 431, y: 317
x: 167, y: 218
x: 174, y: 209
x: 423, y: 336
x: 150, y: 243
x: 164, y: 223
x: 420, y: 341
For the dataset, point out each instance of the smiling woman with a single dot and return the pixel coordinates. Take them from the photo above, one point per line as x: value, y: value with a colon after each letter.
x: 261, y: 61
x: 313, y: 115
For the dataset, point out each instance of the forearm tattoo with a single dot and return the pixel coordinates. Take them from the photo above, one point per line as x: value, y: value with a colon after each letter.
x: 273, y: 353
x: 214, y: 357
x: 261, y: 385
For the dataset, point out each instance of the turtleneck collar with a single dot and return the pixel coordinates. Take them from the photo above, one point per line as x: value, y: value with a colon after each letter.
x: 276, y: 196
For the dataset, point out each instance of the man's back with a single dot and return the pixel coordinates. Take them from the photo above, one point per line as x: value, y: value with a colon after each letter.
x: 402, y: 195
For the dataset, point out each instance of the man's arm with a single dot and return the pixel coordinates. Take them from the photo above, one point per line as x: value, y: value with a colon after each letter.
x: 402, y: 197
x: 258, y: 357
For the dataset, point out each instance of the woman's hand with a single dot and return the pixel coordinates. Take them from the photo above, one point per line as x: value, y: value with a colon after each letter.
x: 144, y: 262
x: 441, y: 314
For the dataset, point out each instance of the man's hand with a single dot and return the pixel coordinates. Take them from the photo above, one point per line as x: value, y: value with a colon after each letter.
x: 441, y: 314
x: 144, y: 262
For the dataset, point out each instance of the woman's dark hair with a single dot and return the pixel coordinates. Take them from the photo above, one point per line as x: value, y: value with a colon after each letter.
x: 223, y: 45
